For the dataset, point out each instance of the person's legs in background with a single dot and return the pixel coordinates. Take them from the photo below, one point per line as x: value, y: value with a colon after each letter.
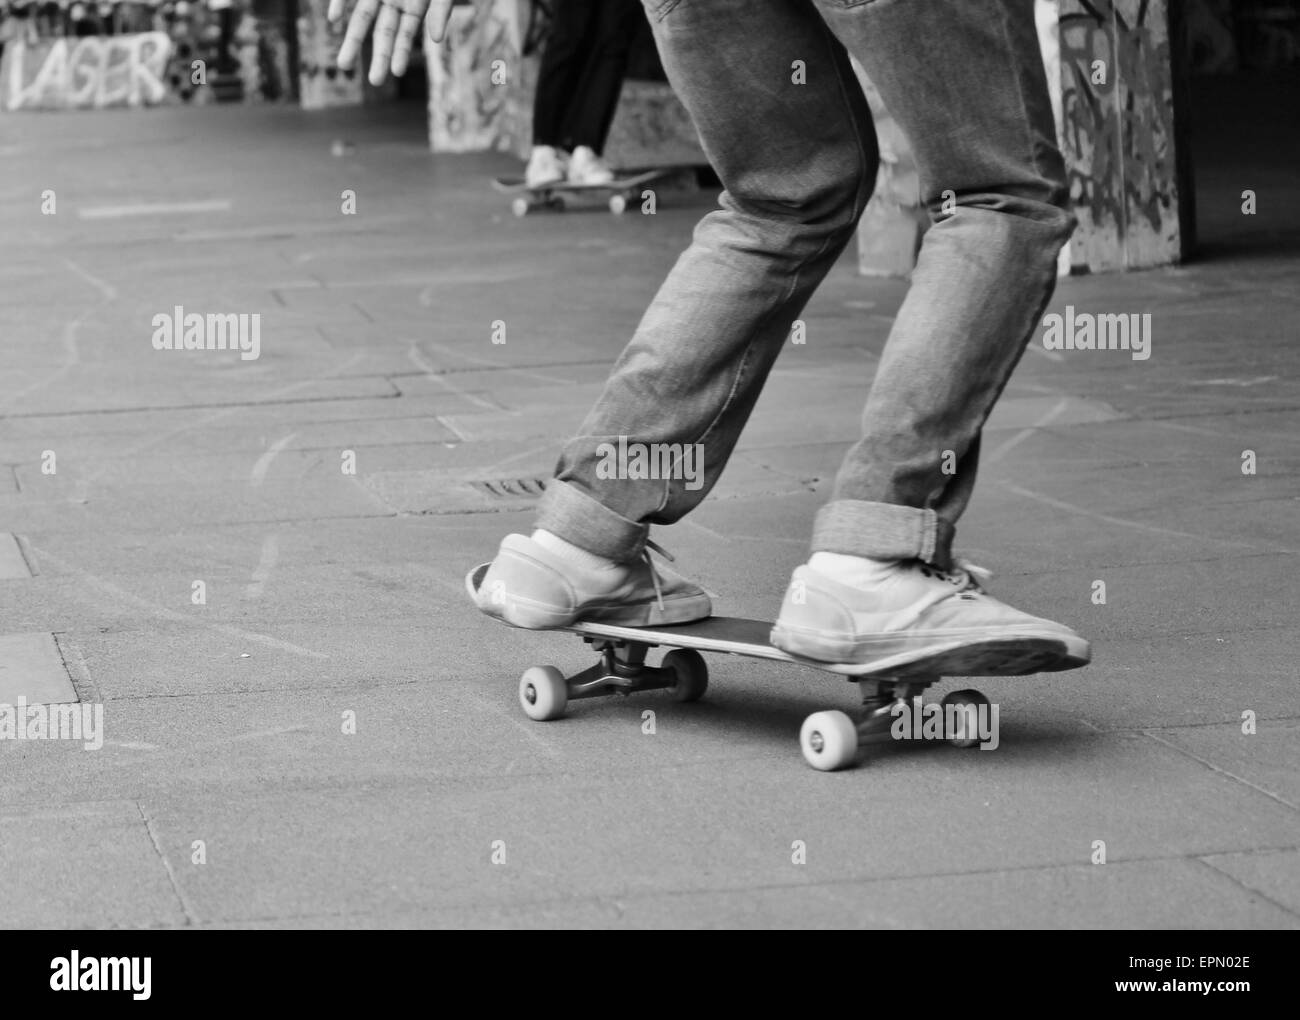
x: 591, y: 111
x: 559, y: 77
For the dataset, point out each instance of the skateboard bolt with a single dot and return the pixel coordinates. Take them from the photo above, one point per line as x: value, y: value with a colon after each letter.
x: 817, y: 741
x: 530, y: 694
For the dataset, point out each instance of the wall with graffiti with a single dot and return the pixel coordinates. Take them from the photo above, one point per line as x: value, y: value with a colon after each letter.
x: 1117, y: 132
x: 70, y: 54
x: 478, y: 79
x: 321, y: 83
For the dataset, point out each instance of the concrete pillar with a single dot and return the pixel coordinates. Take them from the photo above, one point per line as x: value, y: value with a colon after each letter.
x: 1130, y: 181
x: 320, y: 83
x: 478, y: 79
x: 890, y: 232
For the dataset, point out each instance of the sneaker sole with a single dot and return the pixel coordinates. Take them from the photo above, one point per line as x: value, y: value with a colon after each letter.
x: 1011, y: 654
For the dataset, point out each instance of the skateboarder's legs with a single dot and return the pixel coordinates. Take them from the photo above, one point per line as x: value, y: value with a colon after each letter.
x: 964, y: 80
x: 782, y: 119
x: 798, y: 162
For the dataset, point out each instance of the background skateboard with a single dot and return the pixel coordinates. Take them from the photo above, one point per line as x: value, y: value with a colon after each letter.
x: 829, y: 740
x: 621, y: 190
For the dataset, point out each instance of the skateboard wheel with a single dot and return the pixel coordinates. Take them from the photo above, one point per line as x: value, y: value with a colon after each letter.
x: 543, y: 693
x: 829, y: 741
x: 964, y: 732
x: 519, y: 207
x: 618, y: 204
x: 692, y: 673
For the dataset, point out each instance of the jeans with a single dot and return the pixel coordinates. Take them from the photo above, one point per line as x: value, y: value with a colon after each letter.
x: 964, y: 80
x: 581, y: 74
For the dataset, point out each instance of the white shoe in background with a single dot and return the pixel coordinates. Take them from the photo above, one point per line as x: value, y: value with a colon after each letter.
x: 585, y: 167
x: 545, y: 166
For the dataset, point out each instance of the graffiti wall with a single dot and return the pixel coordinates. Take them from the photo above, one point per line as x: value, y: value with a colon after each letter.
x: 77, y: 55
x: 127, y: 70
x: 1117, y: 133
x: 477, y: 77
x: 320, y: 82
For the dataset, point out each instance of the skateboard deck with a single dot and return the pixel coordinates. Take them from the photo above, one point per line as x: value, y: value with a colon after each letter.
x: 621, y: 190
x: 885, y: 682
x: 738, y: 636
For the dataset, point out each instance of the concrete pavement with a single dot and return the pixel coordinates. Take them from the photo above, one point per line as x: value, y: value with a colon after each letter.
x: 229, y: 790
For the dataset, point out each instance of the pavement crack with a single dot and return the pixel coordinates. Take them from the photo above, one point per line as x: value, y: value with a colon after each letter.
x: 1221, y: 770
x: 1249, y: 889
x: 190, y: 917
x: 229, y: 408
x: 74, y: 664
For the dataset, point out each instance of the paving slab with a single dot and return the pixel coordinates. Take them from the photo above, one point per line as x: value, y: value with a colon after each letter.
x: 13, y: 565
x: 1270, y: 873
x: 31, y: 669
x: 83, y: 865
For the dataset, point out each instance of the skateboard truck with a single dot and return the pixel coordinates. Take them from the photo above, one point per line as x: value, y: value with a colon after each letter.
x: 544, y: 691
x: 830, y: 740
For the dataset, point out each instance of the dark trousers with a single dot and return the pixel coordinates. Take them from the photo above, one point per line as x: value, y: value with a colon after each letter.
x: 582, y: 69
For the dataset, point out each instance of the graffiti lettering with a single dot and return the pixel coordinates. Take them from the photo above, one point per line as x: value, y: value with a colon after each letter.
x: 91, y: 72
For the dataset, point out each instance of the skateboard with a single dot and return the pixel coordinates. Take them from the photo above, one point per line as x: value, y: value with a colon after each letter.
x: 552, y: 196
x: 829, y: 740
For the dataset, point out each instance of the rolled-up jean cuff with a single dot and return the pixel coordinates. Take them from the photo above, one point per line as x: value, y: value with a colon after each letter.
x: 567, y: 511
x: 883, y: 531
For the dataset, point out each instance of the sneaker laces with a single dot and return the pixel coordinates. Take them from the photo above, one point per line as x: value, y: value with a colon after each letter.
x: 962, y: 573
x: 654, y: 574
x: 963, y: 578
x: 974, y: 574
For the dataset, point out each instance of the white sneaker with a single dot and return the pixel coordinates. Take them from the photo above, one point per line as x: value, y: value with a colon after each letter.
x: 545, y: 166
x: 585, y: 167
x: 529, y: 586
x: 915, y: 612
